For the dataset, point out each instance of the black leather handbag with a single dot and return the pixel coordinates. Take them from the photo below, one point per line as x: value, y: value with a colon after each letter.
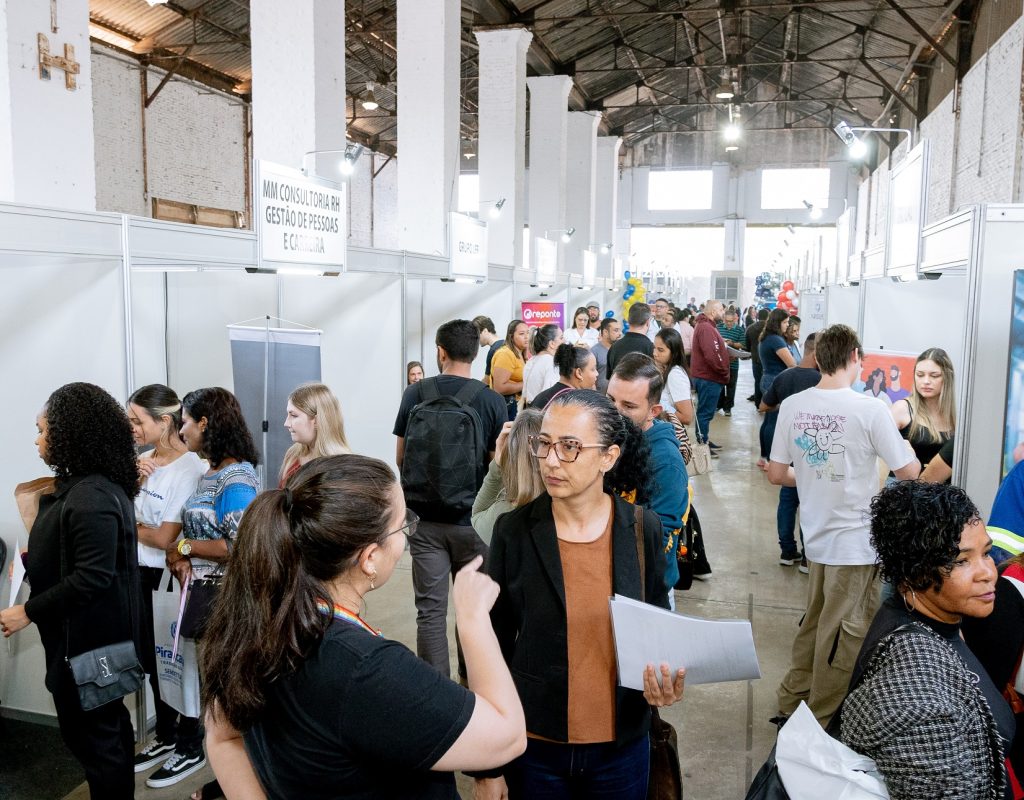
x: 110, y: 672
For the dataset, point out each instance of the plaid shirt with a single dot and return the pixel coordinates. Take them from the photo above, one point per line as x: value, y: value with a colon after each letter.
x: 918, y: 712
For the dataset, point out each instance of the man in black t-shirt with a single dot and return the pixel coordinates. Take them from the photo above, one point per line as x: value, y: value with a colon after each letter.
x: 445, y: 540
x: 789, y: 382
x: 634, y: 340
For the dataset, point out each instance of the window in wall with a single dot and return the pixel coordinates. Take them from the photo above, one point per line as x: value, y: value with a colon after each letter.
x: 469, y: 193
x: 688, y: 255
x: 679, y: 190
x: 789, y: 188
x: 725, y: 288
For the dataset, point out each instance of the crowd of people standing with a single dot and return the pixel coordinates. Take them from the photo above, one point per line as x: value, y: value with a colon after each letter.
x: 526, y: 500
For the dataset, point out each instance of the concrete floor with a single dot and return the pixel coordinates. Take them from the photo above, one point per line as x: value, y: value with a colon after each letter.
x: 724, y: 733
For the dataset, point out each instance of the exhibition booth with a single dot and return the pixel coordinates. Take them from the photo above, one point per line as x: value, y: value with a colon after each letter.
x: 123, y: 301
x: 950, y: 284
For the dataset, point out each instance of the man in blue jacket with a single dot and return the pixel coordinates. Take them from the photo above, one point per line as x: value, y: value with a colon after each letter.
x: 635, y: 388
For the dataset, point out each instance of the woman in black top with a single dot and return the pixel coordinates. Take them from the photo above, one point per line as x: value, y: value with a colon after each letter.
x: 927, y: 418
x: 578, y: 542
x: 577, y: 369
x: 82, y: 563
x: 920, y: 703
x: 304, y: 698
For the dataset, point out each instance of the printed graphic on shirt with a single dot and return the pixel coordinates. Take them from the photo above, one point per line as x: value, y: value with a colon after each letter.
x: 820, y: 437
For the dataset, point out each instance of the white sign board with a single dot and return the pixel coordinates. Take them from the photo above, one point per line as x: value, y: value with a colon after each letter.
x: 545, y: 254
x: 907, y: 190
x: 467, y: 247
x: 589, y: 268
x: 299, y: 219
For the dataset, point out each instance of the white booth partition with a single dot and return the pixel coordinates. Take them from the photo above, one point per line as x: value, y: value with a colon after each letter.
x: 842, y: 305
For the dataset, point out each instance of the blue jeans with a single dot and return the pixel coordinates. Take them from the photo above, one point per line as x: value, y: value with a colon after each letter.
x: 708, y: 393
x: 785, y: 517
x: 553, y: 771
x: 767, y: 432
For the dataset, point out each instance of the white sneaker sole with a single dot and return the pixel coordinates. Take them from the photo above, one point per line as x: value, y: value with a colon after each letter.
x: 176, y: 778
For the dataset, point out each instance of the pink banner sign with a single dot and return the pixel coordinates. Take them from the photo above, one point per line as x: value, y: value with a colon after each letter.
x: 537, y: 314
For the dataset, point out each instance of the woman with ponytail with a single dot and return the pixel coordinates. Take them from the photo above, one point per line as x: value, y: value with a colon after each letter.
x: 577, y: 369
x: 304, y: 697
x: 540, y: 373
x: 557, y: 560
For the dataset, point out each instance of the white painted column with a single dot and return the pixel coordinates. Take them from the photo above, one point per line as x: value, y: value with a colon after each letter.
x: 298, y: 83
x: 606, y: 201
x: 429, y: 44
x: 580, y: 182
x: 46, y: 130
x: 549, y: 120
x: 501, y: 153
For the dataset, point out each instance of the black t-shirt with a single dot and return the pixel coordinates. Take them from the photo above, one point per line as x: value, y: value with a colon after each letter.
x: 541, y: 400
x: 630, y: 342
x: 789, y: 382
x: 494, y: 348
x: 493, y: 414
x: 946, y: 452
x: 362, y: 719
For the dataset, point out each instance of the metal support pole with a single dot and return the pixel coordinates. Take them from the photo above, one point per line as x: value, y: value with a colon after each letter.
x: 265, y: 425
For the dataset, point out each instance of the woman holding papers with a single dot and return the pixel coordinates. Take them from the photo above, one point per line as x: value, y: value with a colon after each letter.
x: 557, y: 560
x: 921, y: 704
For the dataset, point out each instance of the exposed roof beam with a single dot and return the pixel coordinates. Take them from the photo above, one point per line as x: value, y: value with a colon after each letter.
x: 889, y: 88
x: 922, y: 32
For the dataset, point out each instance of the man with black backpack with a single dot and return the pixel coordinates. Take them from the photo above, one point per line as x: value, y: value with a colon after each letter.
x: 447, y: 427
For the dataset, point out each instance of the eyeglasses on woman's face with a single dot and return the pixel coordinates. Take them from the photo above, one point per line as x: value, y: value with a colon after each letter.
x: 566, y: 450
x: 409, y: 528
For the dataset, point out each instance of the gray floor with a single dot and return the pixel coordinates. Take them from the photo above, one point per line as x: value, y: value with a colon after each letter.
x: 724, y: 733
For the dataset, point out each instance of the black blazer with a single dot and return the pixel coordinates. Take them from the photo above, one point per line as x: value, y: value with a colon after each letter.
x: 95, y: 601
x: 529, y: 615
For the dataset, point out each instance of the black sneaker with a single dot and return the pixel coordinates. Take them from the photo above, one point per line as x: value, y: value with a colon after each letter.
x: 726, y: 412
x: 178, y: 767
x: 156, y: 752
x: 803, y: 566
x: 789, y: 559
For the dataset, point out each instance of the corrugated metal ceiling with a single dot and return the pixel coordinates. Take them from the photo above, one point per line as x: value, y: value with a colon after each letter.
x: 651, y: 66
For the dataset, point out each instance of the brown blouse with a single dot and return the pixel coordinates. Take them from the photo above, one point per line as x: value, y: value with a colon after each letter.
x: 587, y: 574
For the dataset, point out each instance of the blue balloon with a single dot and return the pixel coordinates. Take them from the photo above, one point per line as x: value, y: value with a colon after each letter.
x: 609, y: 314
x: 627, y: 274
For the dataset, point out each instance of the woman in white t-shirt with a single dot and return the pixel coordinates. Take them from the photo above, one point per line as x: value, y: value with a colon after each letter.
x: 539, y: 372
x: 168, y: 475
x: 668, y: 355
x: 581, y: 333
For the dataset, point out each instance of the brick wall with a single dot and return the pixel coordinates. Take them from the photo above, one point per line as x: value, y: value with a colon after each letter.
x: 939, y: 129
x: 117, y: 126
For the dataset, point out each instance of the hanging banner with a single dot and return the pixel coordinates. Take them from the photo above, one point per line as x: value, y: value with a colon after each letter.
x: 545, y: 256
x: 467, y: 247
x: 299, y: 219
x: 283, y: 357
x: 537, y: 314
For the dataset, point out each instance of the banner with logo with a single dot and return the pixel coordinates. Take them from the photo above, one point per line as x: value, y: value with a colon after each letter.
x: 467, y: 248
x: 537, y: 314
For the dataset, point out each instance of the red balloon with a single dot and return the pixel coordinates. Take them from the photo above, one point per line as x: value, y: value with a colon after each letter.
x: 782, y: 298
x: 787, y: 285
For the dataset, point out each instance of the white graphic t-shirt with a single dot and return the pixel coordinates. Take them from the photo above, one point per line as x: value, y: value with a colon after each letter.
x: 834, y: 438
x: 161, y: 497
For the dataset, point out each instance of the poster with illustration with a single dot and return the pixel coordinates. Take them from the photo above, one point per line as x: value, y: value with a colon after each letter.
x: 1013, y: 432
x: 886, y: 374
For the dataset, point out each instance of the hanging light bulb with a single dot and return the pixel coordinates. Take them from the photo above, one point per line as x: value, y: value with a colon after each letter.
x: 567, y: 235
x: 495, y: 211
x: 369, y: 99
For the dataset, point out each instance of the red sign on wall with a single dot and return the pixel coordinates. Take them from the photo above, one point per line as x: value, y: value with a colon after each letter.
x: 537, y: 314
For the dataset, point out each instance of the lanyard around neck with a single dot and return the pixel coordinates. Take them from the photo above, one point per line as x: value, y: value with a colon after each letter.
x: 340, y: 612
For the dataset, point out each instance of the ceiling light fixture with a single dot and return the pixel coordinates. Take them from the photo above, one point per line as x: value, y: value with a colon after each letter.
x: 347, y: 166
x: 495, y: 211
x: 725, y: 90
x: 812, y: 210
x: 567, y: 235
x: 857, y: 148
x: 369, y: 99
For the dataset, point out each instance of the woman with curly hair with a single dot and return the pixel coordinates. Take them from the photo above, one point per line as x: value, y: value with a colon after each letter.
x: 920, y: 703
x: 316, y: 426
x: 83, y: 568
x: 557, y: 560
x: 214, y: 428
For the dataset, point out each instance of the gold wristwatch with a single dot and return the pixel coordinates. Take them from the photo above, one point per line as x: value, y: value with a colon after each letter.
x: 185, y: 547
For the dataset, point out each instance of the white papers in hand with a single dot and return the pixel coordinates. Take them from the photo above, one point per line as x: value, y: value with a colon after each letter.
x: 734, y: 353
x: 711, y: 650
x: 17, y: 573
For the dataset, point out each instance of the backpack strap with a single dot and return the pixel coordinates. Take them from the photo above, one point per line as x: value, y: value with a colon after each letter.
x: 638, y: 530
x: 429, y: 390
x: 467, y: 394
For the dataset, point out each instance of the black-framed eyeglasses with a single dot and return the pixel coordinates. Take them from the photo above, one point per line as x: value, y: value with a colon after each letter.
x: 411, y: 521
x: 566, y: 450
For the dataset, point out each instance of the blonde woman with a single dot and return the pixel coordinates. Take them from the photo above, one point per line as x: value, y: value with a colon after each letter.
x: 513, y: 478
x: 317, y: 428
x: 927, y: 419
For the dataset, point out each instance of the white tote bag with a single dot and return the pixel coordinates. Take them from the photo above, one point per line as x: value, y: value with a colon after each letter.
x: 176, y: 662
x: 814, y: 766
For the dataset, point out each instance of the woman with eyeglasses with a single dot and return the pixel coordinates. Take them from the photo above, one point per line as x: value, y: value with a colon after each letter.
x: 304, y: 697
x: 557, y: 560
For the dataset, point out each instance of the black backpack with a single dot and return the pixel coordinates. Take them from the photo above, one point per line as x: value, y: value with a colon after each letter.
x: 445, y: 448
